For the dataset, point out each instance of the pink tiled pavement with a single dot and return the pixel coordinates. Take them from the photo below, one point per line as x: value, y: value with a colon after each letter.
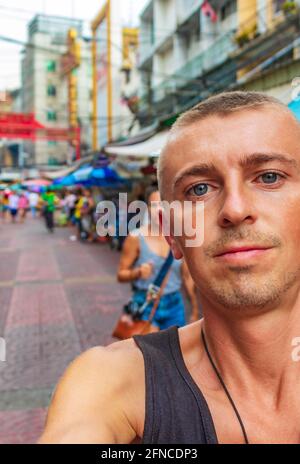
x: 37, y: 264
x: 38, y: 304
x: 13, y: 429
x: 57, y: 299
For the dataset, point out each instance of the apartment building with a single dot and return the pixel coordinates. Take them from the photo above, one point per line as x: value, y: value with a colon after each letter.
x: 115, y: 76
x: 269, y: 60
x: 45, y: 88
x: 190, y: 49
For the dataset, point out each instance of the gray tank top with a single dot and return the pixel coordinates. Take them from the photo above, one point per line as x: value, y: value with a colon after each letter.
x: 176, y: 410
x: 146, y: 255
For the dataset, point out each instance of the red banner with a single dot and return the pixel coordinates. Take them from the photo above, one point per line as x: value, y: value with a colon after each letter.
x: 26, y: 127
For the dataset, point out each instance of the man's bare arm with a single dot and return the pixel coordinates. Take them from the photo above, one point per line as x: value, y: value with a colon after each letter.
x: 91, y: 403
x: 129, y: 254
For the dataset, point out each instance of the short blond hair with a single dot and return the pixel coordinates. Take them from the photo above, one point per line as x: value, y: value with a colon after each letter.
x: 222, y: 104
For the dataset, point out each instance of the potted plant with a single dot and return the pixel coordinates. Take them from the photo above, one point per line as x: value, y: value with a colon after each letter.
x: 242, y: 39
x: 289, y: 7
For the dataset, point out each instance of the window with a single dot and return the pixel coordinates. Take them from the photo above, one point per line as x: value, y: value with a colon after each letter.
x: 152, y: 33
x: 51, y: 115
x: 51, y: 66
x: 127, y: 75
x: 51, y: 90
x: 228, y: 9
x: 52, y: 161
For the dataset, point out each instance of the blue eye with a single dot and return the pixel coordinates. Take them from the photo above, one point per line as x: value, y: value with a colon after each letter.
x: 270, y: 177
x: 199, y: 189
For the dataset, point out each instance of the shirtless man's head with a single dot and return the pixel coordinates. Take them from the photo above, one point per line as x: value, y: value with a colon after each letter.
x: 239, y: 153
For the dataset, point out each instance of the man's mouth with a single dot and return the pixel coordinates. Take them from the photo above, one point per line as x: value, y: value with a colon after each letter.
x: 241, y: 253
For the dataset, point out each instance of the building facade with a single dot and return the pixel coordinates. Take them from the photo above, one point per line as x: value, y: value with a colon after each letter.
x: 5, y: 101
x: 11, y: 151
x: 45, y: 87
x: 270, y: 61
x: 191, y: 49
x: 181, y: 44
x: 115, y: 77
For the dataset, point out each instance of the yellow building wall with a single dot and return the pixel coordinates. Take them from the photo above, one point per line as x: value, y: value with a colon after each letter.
x: 270, y: 14
x: 246, y: 10
x: 105, y: 13
x: 130, y: 38
x: 248, y: 14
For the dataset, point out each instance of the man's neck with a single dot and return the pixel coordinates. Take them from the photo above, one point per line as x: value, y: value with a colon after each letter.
x: 254, y: 351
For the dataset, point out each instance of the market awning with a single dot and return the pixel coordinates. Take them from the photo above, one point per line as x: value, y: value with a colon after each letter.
x: 10, y: 176
x: 89, y: 176
x: 82, y: 174
x: 57, y: 174
x: 149, y: 148
x: 36, y: 183
x: 294, y: 106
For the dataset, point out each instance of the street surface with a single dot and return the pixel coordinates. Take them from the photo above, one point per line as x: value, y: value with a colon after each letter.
x: 57, y: 299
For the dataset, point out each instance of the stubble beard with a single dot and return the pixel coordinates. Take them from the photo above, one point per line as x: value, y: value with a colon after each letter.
x: 249, y: 292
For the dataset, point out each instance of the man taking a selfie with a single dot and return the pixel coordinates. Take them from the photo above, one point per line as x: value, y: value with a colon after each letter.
x: 233, y: 376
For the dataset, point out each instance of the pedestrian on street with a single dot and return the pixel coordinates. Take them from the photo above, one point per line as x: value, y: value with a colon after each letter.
x: 23, y: 205
x: 49, y: 205
x: 5, y: 204
x: 2, y: 205
x: 87, y: 215
x: 13, y: 204
x: 33, y: 203
x: 84, y: 215
x: 142, y: 257
x: 232, y: 377
x: 70, y: 205
x: 80, y: 200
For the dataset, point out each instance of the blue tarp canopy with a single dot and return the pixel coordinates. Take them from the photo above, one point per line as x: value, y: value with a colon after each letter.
x: 294, y: 106
x: 89, y: 176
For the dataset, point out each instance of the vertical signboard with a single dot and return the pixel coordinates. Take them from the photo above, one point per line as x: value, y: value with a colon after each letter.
x: 102, y: 85
x: 70, y: 63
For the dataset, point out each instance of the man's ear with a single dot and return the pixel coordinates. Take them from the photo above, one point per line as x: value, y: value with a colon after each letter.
x: 177, y: 253
x: 170, y: 239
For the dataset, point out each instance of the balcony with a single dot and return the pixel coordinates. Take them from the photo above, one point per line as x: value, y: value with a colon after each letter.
x: 215, y: 55
x: 186, y: 9
x: 262, y: 50
x: 147, y: 11
x: 212, y: 57
x: 145, y: 56
x: 164, y: 41
x: 167, y: 87
x: 147, y: 34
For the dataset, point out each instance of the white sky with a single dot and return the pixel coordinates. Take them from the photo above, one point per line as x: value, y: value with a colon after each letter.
x: 15, y: 14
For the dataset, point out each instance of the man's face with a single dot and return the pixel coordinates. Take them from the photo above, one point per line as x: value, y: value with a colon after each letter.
x: 245, y: 167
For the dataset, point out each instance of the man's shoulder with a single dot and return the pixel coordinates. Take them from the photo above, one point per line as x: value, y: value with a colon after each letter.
x: 114, y: 372
x: 124, y: 352
x: 102, y: 388
x: 121, y: 358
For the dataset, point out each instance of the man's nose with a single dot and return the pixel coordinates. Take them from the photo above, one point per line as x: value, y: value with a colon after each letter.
x: 237, y: 207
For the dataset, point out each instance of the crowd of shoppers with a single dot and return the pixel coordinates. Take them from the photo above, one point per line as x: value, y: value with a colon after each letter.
x: 142, y: 255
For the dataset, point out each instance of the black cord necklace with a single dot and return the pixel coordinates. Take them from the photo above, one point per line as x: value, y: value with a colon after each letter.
x: 225, y: 388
